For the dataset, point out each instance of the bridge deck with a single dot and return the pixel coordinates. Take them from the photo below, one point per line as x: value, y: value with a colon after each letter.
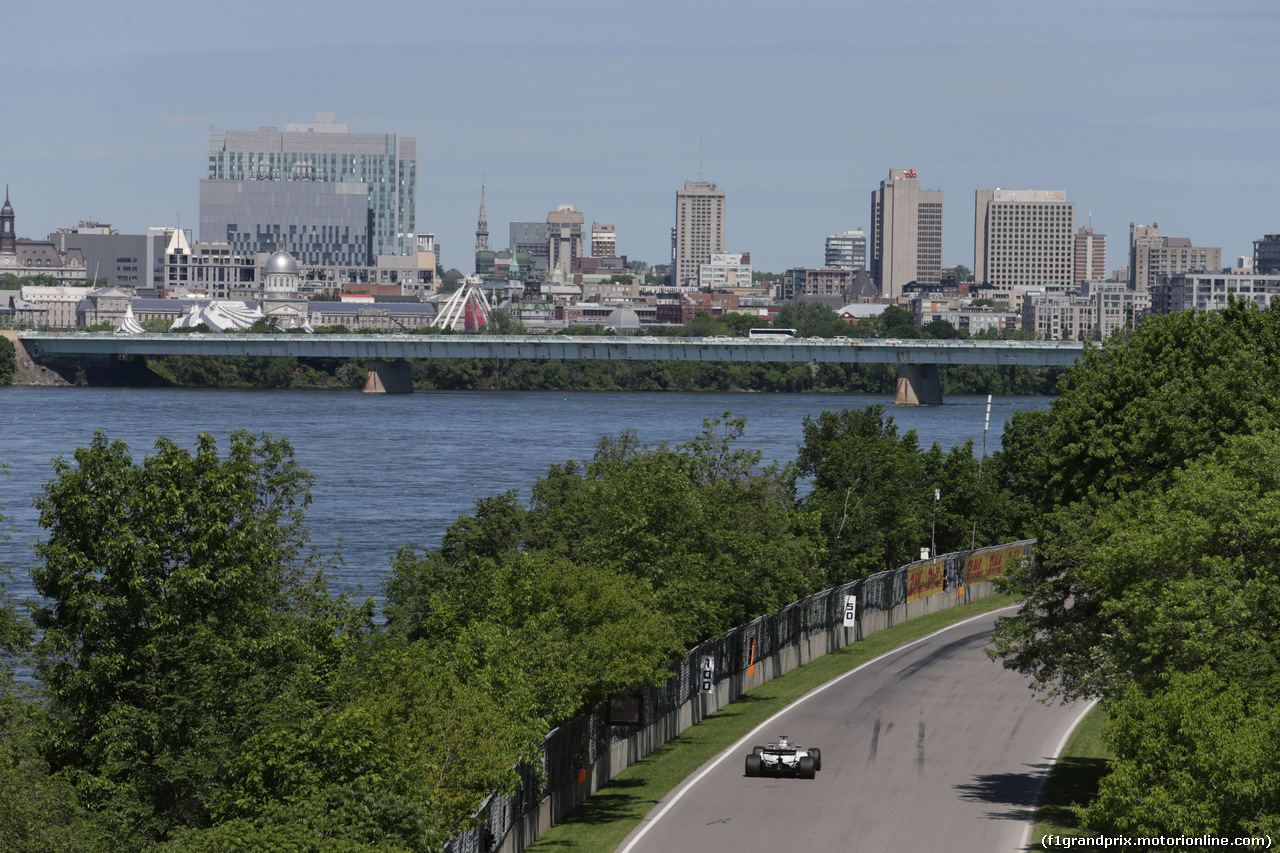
x: 622, y: 348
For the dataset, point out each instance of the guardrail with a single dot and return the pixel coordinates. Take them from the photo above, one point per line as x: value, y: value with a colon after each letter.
x: 581, y: 756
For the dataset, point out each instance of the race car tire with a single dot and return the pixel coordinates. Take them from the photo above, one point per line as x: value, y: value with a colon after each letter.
x: 753, y: 765
x: 757, y: 749
x: 806, y: 767
x: 817, y: 758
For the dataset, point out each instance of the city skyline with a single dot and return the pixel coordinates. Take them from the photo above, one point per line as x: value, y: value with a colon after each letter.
x: 1140, y: 113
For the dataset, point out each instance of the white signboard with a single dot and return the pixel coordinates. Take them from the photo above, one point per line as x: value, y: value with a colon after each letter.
x: 707, y: 681
x: 850, y: 611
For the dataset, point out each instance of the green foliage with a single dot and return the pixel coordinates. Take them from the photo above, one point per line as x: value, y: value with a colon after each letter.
x: 12, y: 281
x: 1198, y: 757
x: 1157, y: 581
x: 1137, y: 409
x: 156, y: 324
x: 450, y: 280
x: 941, y: 329
x: 8, y: 361
x: 183, y: 617
x: 702, y: 537
x: 869, y: 489
x: 810, y: 319
x: 1155, y: 480
x: 898, y: 322
x: 503, y: 322
x: 39, y: 810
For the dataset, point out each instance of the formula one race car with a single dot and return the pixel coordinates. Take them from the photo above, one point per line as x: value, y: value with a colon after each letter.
x: 784, y: 757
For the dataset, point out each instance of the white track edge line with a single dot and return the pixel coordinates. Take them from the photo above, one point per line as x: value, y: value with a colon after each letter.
x: 1044, y: 780
x: 732, y: 748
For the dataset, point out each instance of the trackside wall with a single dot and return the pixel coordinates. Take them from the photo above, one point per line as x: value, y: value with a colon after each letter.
x: 586, y: 753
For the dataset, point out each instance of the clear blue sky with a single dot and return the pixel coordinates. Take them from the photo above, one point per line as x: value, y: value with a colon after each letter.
x: 1142, y: 111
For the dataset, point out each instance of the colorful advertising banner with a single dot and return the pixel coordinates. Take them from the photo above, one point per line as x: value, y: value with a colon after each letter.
x: 925, y: 579
x: 989, y: 564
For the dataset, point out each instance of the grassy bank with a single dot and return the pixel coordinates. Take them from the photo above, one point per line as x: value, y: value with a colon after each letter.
x: 603, y: 821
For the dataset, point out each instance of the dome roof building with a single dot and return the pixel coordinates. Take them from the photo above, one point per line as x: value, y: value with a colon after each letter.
x: 280, y: 275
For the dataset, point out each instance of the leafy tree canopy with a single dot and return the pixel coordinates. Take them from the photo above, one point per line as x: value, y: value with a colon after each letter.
x: 183, y: 616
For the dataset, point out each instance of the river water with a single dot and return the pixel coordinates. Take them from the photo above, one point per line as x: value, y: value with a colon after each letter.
x: 396, y: 470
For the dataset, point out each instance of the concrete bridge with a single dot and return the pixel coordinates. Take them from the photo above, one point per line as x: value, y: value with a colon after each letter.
x: 917, y: 360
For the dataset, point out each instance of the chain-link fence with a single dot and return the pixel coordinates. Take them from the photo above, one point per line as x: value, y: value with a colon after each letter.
x: 570, y: 750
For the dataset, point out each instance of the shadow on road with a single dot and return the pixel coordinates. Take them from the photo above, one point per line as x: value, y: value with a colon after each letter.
x: 1016, y: 790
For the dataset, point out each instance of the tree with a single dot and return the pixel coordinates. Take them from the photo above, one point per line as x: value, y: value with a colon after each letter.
x: 183, y: 616
x: 1136, y: 409
x: 897, y: 322
x: 1200, y: 755
x: 8, y: 361
x: 962, y: 273
x: 503, y: 322
x: 810, y: 319
x: 940, y: 329
x: 1169, y: 578
x: 449, y: 281
x: 869, y: 488
x: 39, y: 810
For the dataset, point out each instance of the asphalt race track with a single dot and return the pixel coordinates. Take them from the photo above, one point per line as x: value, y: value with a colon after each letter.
x: 929, y: 747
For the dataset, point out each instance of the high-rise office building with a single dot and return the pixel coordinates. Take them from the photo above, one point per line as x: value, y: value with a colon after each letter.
x: 1153, y: 256
x: 1091, y: 256
x: 699, y: 230
x: 846, y: 251
x: 1023, y: 238
x: 906, y: 233
x: 564, y: 240
x: 317, y: 191
x: 604, y: 241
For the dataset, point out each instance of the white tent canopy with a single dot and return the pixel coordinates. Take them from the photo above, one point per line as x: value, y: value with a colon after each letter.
x: 219, y: 316
x: 129, y: 325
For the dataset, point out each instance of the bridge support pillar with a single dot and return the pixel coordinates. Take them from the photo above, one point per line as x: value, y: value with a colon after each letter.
x: 918, y: 385
x: 388, y: 377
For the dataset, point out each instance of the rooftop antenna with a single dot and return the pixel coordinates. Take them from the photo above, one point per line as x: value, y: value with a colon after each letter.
x: 699, y: 158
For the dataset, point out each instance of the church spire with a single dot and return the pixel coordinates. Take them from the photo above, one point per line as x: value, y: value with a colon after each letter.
x: 8, y: 239
x: 482, y: 226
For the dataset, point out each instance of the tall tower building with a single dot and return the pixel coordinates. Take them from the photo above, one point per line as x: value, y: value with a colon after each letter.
x: 564, y: 240
x: 846, y: 251
x: 906, y: 233
x: 1023, y: 238
x: 317, y: 191
x: 482, y: 227
x: 1091, y: 256
x: 699, y: 230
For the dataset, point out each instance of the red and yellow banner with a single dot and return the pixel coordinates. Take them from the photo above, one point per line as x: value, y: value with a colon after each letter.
x: 988, y: 564
x: 925, y: 579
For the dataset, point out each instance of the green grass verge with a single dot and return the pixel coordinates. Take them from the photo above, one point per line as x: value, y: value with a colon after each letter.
x: 1074, y: 781
x: 601, y: 823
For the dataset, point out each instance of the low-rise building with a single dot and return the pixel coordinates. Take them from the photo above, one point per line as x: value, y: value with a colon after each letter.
x: 1208, y: 291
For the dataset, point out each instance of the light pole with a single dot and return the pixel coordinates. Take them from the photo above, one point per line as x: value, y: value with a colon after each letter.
x: 933, y: 537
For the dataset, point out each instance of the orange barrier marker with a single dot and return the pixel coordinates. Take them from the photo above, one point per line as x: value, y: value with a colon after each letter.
x: 751, y: 663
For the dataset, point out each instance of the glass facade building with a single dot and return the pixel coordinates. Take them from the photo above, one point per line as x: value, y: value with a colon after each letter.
x: 321, y: 193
